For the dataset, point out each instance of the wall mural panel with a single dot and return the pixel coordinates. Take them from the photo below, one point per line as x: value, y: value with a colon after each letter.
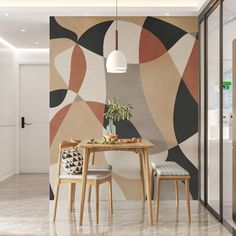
x: 161, y: 83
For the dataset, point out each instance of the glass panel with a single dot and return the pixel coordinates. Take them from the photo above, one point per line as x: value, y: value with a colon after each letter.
x: 213, y: 111
x: 202, y: 78
x: 229, y: 34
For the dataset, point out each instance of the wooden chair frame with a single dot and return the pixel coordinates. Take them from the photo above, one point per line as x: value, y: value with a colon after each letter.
x: 72, y: 184
x: 185, y: 178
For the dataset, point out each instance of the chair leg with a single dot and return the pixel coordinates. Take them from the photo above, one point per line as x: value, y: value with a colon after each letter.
x: 97, y: 201
x: 188, y: 199
x: 157, y: 197
x: 71, y: 195
x: 89, y: 192
x: 110, y: 195
x: 177, y: 193
x: 56, y: 200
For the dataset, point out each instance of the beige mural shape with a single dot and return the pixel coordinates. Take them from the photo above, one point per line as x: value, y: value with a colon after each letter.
x: 129, y: 37
x: 85, y: 126
x: 62, y: 64
x: 181, y: 52
x: 57, y: 46
x: 71, y: 23
x: 131, y: 187
x: 160, y: 80
x: 93, y: 87
x: 188, y: 24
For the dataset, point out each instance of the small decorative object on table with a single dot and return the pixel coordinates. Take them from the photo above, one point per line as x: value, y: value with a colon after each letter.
x: 116, y: 112
x: 114, y: 140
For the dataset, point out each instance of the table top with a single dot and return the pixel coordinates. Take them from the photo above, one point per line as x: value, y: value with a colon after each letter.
x: 139, y: 145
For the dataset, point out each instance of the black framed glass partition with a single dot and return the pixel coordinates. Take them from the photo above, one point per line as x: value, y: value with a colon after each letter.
x: 229, y: 36
x: 213, y: 109
x: 217, y: 27
x: 202, y: 112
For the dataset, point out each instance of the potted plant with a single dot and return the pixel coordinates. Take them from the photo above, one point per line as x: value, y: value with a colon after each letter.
x: 116, y: 112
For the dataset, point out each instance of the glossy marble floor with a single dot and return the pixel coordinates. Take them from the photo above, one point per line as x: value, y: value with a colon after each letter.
x: 24, y: 211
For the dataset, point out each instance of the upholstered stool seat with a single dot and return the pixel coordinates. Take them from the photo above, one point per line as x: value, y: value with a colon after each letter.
x: 91, y: 175
x: 100, y: 167
x: 169, y: 170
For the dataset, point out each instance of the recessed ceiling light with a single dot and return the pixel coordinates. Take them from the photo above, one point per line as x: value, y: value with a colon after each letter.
x: 6, y: 14
x: 167, y: 14
x: 23, y: 30
x: 36, y: 42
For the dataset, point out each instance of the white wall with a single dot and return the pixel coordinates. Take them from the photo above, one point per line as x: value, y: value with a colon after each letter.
x: 8, y: 91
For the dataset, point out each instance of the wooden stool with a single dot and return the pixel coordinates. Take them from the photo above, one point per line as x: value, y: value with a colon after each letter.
x: 169, y: 170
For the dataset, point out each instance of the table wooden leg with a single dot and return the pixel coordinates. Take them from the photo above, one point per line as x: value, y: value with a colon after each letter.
x: 142, y: 176
x: 84, y: 182
x: 147, y: 185
x: 110, y: 195
x: 97, y: 201
x: 90, y: 186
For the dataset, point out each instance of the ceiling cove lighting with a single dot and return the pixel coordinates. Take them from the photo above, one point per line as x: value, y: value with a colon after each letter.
x: 7, y: 44
x: 116, y: 60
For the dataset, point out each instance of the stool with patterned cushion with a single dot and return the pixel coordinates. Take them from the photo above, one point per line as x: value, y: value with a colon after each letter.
x: 168, y: 170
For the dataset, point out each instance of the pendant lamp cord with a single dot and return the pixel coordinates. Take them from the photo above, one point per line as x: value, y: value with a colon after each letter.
x: 116, y: 28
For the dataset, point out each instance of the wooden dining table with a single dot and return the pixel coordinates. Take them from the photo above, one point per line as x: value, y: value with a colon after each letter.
x: 141, y: 148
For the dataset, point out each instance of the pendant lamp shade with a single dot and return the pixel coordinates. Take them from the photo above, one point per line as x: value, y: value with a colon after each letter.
x: 116, y: 62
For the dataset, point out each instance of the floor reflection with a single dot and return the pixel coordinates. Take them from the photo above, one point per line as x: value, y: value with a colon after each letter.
x: 25, y: 211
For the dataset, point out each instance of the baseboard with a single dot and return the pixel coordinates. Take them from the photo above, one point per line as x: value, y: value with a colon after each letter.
x: 7, y: 175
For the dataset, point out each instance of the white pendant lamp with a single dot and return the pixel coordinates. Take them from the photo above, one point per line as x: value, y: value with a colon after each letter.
x: 116, y: 60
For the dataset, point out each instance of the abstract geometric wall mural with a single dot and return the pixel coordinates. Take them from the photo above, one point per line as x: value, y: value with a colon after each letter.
x: 161, y: 83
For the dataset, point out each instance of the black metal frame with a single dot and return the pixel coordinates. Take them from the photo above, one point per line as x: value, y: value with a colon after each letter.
x: 203, y: 18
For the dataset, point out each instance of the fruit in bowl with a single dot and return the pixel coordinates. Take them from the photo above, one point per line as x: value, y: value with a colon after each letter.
x: 110, y: 137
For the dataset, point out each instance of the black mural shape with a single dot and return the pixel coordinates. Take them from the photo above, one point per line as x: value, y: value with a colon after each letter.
x: 175, y: 154
x: 57, y: 97
x: 185, y: 114
x: 51, y: 194
x: 93, y: 38
x: 57, y: 31
x: 124, y: 128
x: 168, y: 34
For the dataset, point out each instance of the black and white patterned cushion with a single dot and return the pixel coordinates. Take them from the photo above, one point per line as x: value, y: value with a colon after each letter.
x: 72, y: 161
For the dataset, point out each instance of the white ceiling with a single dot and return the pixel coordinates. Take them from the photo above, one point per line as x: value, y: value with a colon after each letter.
x: 101, y: 3
x: 33, y: 16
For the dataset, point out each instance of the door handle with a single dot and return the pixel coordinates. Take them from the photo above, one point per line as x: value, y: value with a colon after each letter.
x: 23, y: 123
